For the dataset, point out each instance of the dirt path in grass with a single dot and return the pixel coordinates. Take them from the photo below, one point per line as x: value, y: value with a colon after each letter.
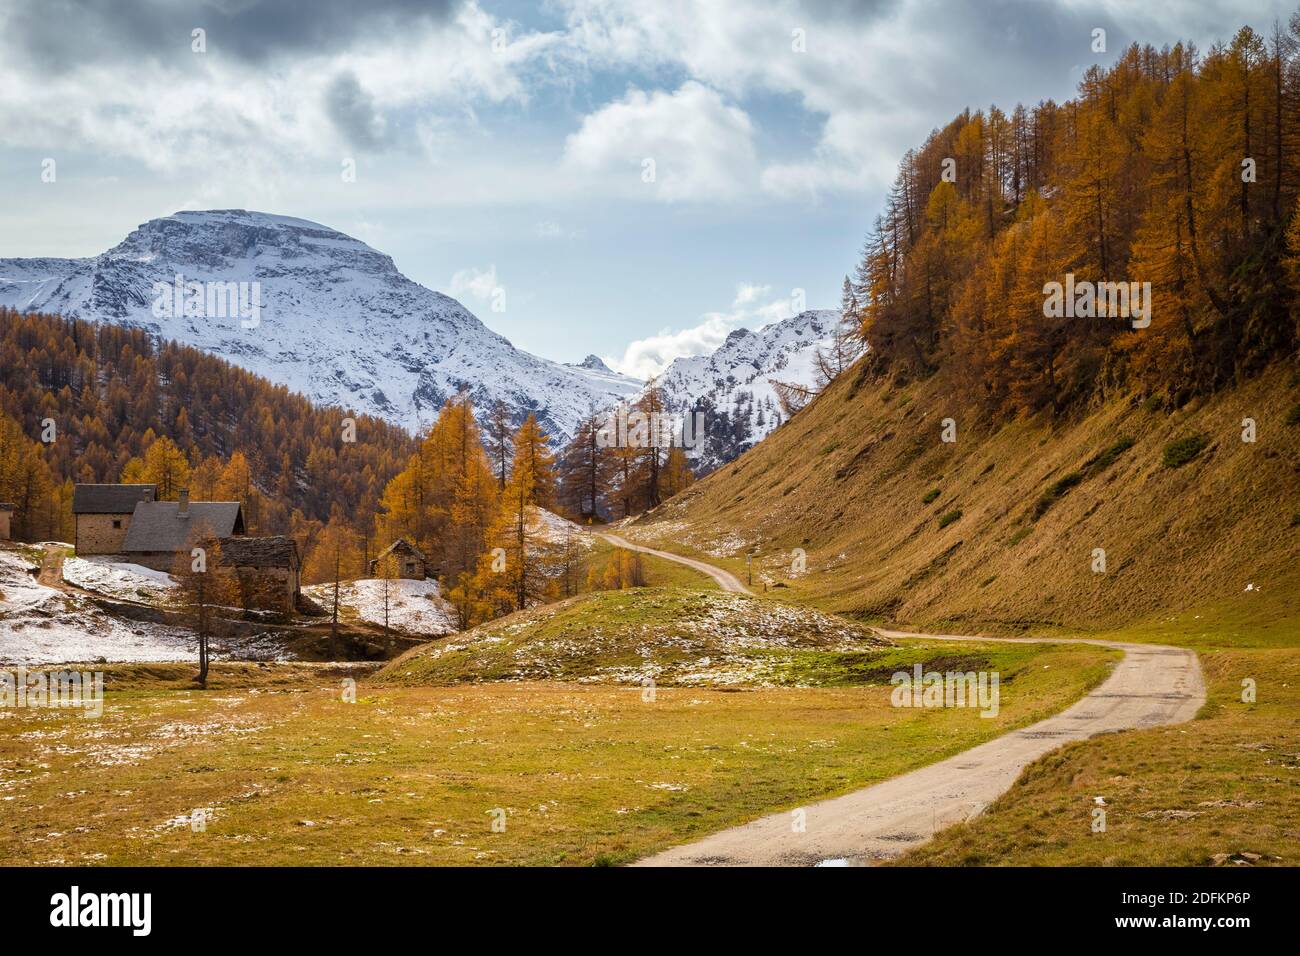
x: 1152, y: 685
x: 726, y: 580
x: 51, y: 573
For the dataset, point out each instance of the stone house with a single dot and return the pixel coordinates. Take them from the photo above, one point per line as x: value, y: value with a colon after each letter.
x: 6, y: 512
x: 125, y: 522
x: 161, y: 530
x: 268, y: 570
x: 103, y: 513
x: 410, y: 560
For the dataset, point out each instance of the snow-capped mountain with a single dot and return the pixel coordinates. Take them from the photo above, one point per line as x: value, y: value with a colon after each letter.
x: 731, y: 386
x: 335, y: 319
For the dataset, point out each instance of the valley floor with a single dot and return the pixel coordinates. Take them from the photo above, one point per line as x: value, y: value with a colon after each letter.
x: 544, y: 721
x: 584, y: 774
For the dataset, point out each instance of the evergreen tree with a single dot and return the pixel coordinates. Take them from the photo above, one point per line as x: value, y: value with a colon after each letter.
x: 586, y: 470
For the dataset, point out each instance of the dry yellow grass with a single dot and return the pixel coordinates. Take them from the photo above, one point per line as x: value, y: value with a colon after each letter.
x: 1223, y: 790
x: 411, y: 775
x: 860, y: 481
x: 995, y: 534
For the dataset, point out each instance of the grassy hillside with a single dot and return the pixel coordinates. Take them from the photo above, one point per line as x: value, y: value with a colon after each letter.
x: 659, y: 573
x: 998, y: 529
x: 996, y: 532
x: 673, y: 635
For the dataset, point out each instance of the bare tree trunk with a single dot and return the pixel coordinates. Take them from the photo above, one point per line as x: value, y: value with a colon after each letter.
x: 334, y: 617
x: 388, y: 640
x: 203, y: 638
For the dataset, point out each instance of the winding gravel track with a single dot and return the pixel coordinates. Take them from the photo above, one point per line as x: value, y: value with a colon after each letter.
x: 1151, y: 686
x: 726, y: 580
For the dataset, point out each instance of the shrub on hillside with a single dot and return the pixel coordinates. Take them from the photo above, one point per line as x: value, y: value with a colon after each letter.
x: 930, y: 496
x: 1293, y: 416
x: 1103, y: 460
x: 1057, y: 490
x: 1182, y: 450
x: 949, y: 518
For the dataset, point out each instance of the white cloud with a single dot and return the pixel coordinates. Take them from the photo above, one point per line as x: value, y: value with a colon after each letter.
x: 692, y: 143
x: 861, y: 70
x: 549, y: 229
x: 882, y: 73
x: 876, y: 74
x: 209, y: 112
x: 746, y: 294
x: 752, y: 307
x: 474, y: 283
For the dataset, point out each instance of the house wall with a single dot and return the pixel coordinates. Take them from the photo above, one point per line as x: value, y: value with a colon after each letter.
x: 262, y: 589
x: 158, y: 560
x: 407, y: 567
x: 268, y: 589
x: 96, y: 534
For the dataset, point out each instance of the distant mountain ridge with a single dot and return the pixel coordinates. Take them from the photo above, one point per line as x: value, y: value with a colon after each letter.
x: 731, y: 386
x: 338, y: 322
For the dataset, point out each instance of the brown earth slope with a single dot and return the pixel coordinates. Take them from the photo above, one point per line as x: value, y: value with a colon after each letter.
x: 1000, y: 527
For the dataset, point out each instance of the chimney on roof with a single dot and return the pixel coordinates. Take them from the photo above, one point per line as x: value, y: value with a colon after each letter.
x: 183, y: 506
x: 148, y: 493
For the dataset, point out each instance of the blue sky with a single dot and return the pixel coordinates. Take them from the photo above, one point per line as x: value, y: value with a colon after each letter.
x: 501, y: 145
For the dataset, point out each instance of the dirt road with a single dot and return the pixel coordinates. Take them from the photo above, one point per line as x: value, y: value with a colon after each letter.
x: 1152, y: 685
x: 726, y: 580
x: 51, y: 573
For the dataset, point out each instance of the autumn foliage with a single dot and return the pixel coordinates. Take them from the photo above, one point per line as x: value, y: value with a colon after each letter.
x: 125, y: 407
x: 1172, y: 167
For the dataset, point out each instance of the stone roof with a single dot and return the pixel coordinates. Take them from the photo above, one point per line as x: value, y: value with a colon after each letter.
x: 157, y: 526
x: 403, y: 546
x: 274, y: 551
x: 110, y: 499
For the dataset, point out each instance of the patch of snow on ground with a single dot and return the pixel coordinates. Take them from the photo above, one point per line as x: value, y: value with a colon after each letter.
x: 18, y: 588
x: 131, y: 582
x: 40, y: 625
x: 553, y: 529
x: 415, y: 607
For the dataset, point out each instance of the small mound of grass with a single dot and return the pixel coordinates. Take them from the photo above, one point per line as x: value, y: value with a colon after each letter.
x: 930, y: 496
x: 1092, y: 467
x: 1104, y: 459
x: 1055, y: 492
x: 949, y: 518
x: 1182, y: 450
x: 673, y: 636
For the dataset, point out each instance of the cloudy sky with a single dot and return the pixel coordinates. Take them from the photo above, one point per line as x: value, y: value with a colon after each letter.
x: 503, y: 144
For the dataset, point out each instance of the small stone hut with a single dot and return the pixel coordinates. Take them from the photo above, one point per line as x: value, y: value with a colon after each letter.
x: 410, y: 560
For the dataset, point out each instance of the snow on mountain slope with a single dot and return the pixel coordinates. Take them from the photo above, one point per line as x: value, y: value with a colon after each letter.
x: 338, y: 322
x: 731, y: 386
